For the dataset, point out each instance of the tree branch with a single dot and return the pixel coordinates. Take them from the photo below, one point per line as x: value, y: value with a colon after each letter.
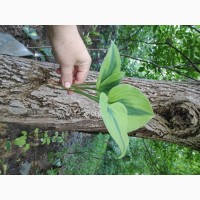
x: 180, y: 52
x: 156, y: 65
x: 193, y: 27
x: 150, y: 157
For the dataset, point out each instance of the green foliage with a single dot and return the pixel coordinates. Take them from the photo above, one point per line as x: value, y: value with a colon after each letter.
x: 144, y: 157
x: 80, y: 159
x: 57, y: 138
x: 22, y: 141
x: 46, y: 139
x: 153, y: 52
x: 85, y: 160
x: 116, y: 120
x: 31, y: 32
x: 87, y: 40
x: 26, y: 147
x: 34, y: 138
x: 110, y: 66
x: 160, y: 52
x: 45, y: 53
x: 110, y: 82
x: 3, y: 168
x: 53, y: 171
x: 128, y: 108
x: 139, y: 109
x: 8, y: 145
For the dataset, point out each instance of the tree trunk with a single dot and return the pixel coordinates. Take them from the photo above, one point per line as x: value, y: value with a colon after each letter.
x: 28, y: 99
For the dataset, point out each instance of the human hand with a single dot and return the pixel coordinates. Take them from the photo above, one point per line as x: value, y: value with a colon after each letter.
x: 71, y: 54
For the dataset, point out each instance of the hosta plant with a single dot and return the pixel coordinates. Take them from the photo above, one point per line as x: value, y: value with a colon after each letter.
x: 124, y: 108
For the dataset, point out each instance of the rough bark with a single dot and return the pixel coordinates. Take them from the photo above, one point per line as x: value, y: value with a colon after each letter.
x: 28, y: 99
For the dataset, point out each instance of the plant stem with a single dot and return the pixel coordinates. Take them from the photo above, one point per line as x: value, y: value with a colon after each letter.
x: 82, y: 84
x: 78, y: 89
x: 87, y: 95
x: 84, y: 88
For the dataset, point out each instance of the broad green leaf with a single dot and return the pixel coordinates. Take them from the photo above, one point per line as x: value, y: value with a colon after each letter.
x: 138, y: 107
x: 115, y: 119
x: 20, y: 141
x: 111, y: 82
x: 110, y: 65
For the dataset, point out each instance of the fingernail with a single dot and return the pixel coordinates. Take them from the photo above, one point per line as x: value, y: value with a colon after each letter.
x: 67, y: 84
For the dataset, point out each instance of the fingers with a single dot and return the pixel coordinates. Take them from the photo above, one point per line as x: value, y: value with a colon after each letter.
x: 67, y: 76
x: 81, y: 73
x: 73, y: 74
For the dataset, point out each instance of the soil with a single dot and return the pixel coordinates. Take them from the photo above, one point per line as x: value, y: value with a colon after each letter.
x: 36, y: 158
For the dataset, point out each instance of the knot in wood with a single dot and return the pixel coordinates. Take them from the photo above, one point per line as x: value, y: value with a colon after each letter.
x: 184, y: 118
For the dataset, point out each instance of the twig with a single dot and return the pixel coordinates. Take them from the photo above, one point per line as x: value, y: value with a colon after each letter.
x: 193, y: 27
x: 166, y: 67
x: 196, y: 67
x: 150, y: 156
x: 41, y: 47
x: 97, y: 49
x: 136, y: 32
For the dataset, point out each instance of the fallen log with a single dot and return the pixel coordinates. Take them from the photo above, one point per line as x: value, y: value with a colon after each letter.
x: 28, y: 99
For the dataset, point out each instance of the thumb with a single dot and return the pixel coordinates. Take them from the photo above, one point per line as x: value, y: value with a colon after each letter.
x: 66, y: 76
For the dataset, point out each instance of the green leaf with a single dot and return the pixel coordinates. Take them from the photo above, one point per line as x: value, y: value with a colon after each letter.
x: 138, y: 106
x: 46, y: 134
x: 24, y: 133
x: 31, y: 32
x: 56, y: 134
x: 8, y: 145
x: 59, y: 139
x: 36, y: 130
x: 48, y: 140
x: 111, y: 82
x: 26, y: 148
x: 20, y: 141
x: 44, y: 140
x: 54, y: 139
x: 87, y: 40
x: 110, y: 65
x: 141, y: 69
x: 115, y: 119
x: 46, y: 51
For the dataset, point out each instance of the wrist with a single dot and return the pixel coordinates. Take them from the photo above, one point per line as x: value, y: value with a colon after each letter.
x: 59, y: 34
x: 62, y: 30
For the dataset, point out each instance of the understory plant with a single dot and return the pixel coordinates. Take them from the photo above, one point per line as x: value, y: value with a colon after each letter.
x: 124, y: 108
